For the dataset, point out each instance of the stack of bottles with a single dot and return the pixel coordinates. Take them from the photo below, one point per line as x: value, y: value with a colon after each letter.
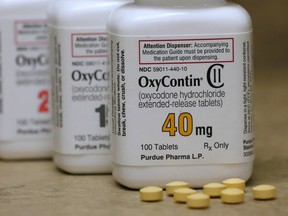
x: 152, y: 90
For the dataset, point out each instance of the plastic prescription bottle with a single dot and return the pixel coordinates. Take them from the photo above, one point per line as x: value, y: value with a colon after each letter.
x: 80, y: 84
x: 181, y: 92
x: 25, y: 119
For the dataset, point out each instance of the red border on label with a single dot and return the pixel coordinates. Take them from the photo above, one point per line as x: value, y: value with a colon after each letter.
x: 28, y: 43
x: 85, y: 56
x: 200, y: 62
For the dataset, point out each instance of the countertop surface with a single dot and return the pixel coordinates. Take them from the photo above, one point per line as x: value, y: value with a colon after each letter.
x: 39, y: 188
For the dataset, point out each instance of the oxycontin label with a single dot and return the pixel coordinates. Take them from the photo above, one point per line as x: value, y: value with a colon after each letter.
x: 184, y: 100
x: 80, y: 91
x: 24, y: 80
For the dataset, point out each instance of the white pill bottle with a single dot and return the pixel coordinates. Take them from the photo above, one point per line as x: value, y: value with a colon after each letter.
x: 25, y: 119
x: 78, y: 41
x: 181, y: 92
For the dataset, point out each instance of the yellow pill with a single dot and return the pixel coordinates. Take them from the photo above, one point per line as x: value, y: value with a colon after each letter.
x: 170, y: 187
x: 232, y: 196
x: 213, y: 189
x: 180, y: 194
x: 264, y: 192
x: 198, y: 201
x: 234, y: 183
x: 151, y: 193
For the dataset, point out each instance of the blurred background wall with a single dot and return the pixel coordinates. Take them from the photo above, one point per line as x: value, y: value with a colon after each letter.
x: 270, y: 21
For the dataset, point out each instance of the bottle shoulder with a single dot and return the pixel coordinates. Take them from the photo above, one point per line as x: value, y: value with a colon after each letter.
x: 84, y: 13
x: 139, y: 20
x: 23, y: 9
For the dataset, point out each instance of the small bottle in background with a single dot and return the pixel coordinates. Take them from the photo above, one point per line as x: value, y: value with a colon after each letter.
x: 25, y: 119
x: 79, y: 50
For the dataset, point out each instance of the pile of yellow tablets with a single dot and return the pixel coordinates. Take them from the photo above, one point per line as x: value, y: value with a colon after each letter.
x: 231, y: 191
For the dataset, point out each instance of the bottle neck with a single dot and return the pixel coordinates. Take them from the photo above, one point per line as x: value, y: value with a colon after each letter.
x: 180, y: 3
